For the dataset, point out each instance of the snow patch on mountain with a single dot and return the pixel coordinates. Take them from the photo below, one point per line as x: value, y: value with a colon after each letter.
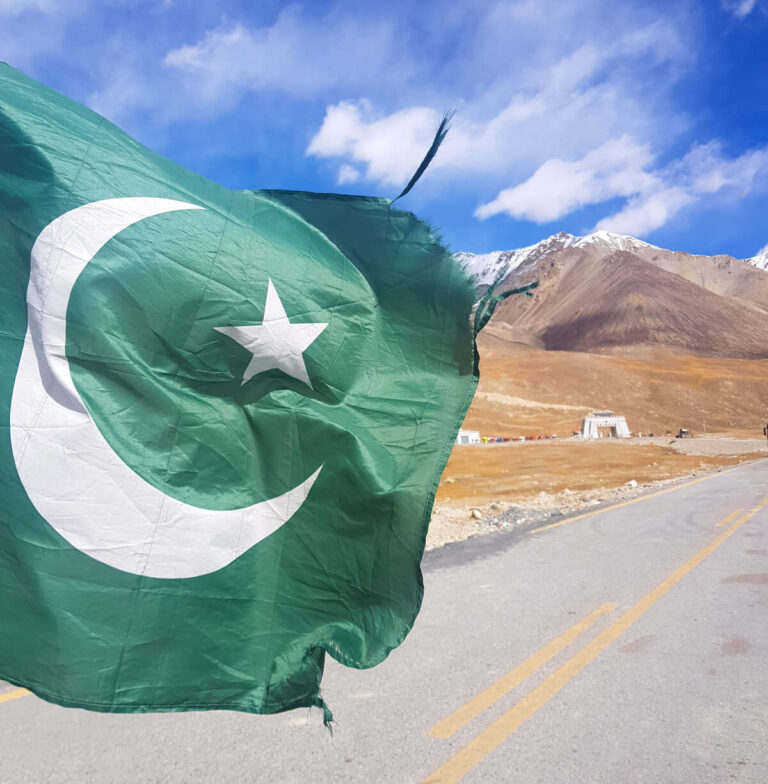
x: 760, y: 260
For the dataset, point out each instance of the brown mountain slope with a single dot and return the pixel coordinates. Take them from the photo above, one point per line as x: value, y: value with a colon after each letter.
x: 722, y: 274
x: 621, y: 303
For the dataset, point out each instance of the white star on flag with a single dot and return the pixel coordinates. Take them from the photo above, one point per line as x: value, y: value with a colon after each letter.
x: 275, y: 343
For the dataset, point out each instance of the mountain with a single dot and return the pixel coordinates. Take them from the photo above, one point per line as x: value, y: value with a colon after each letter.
x: 612, y: 294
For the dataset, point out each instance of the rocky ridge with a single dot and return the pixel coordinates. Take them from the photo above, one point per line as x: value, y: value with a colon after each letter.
x: 485, y: 268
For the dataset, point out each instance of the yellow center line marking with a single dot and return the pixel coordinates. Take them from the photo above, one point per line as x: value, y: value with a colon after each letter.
x: 474, y: 752
x: 728, y: 519
x: 505, y: 684
x: 633, y: 501
x: 13, y: 695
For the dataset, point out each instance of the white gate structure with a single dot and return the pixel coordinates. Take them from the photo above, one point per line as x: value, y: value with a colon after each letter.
x: 597, y: 421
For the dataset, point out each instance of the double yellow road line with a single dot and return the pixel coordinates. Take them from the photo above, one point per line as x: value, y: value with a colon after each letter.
x: 488, y: 740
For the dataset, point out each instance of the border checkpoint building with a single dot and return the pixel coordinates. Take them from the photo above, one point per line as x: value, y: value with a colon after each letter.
x: 604, y: 424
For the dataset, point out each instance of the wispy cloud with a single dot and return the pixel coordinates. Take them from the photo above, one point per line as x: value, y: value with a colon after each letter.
x: 739, y: 8
x: 699, y: 175
x: 15, y: 7
x: 297, y: 54
x: 32, y: 29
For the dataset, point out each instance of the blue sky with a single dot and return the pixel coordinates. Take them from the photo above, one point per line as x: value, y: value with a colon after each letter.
x: 647, y: 118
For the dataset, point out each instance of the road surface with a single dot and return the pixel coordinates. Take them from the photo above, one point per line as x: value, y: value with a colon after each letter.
x: 628, y: 645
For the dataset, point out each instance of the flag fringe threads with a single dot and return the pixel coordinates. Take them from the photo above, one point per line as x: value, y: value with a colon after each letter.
x: 442, y: 132
x: 328, y: 720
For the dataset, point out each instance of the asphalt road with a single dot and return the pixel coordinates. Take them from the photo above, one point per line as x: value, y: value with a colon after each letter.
x: 629, y: 645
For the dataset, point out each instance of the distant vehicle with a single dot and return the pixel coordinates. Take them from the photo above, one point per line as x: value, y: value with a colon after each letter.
x: 683, y: 433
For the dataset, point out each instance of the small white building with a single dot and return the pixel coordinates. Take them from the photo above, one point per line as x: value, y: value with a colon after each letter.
x: 604, y: 424
x: 468, y: 437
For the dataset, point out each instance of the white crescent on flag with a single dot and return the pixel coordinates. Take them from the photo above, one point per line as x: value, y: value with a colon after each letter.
x: 75, y: 480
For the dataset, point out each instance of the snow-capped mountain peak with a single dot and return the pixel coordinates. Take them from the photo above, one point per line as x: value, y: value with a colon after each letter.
x: 485, y: 268
x: 614, y: 241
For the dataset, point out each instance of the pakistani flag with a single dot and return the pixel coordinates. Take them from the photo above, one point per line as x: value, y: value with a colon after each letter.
x: 225, y: 415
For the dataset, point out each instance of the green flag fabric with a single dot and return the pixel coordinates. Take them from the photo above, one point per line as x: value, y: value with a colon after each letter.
x: 225, y: 415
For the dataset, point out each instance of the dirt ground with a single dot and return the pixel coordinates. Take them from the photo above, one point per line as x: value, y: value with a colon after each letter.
x: 525, y: 391
x: 485, y: 487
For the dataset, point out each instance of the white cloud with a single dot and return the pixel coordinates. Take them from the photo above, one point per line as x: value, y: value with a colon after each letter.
x: 347, y: 174
x: 558, y: 187
x: 739, y: 8
x: 644, y: 214
x: 622, y: 168
x: 707, y: 171
x: 389, y: 148
x: 122, y: 96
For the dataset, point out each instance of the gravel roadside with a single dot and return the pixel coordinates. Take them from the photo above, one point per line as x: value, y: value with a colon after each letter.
x: 456, y: 522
